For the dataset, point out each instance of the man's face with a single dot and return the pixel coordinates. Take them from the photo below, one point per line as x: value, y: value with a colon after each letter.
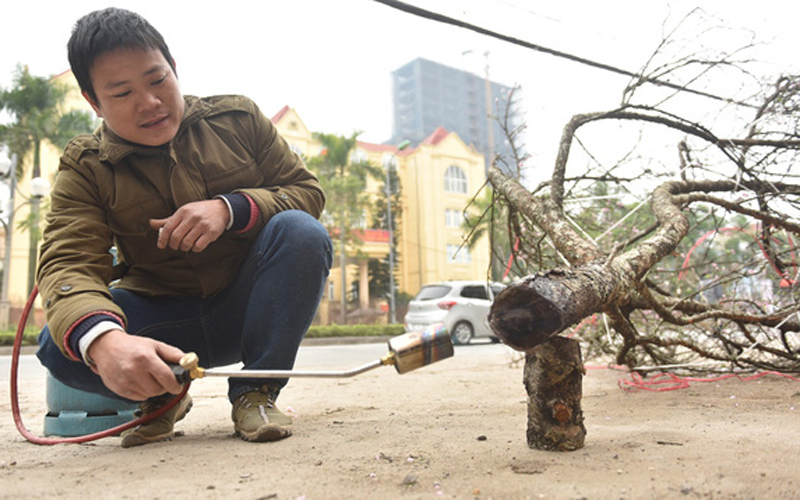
x: 137, y: 95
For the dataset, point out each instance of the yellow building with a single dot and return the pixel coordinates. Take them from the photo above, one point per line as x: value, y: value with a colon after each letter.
x: 438, y: 178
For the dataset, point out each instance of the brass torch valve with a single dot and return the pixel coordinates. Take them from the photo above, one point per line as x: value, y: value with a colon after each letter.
x: 188, y: 369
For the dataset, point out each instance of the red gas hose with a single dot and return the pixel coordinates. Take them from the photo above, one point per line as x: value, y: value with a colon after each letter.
x: 77, y: 439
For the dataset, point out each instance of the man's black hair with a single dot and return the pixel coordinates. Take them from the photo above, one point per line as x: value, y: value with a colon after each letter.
x: 105, y: 30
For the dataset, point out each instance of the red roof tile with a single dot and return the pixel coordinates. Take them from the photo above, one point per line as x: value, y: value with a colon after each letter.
x: 386, y: 148
x: 436, y: 137
x: 60, y: 74
x: 280, y: 114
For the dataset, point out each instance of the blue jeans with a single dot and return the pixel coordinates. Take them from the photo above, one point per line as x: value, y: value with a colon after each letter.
x: 259, y: 319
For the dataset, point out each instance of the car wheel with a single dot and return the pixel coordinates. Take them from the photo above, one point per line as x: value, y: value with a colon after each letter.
x: 462, y: 333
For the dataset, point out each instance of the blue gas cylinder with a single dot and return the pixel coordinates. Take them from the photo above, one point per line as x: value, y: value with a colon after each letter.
x: 72, y: 412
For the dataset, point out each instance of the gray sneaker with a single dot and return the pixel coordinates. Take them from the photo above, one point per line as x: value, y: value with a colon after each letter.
x: 256, y: 418
x: 161, y: 428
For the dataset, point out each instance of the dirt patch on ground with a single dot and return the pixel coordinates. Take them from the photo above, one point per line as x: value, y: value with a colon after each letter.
x: 455, y: 429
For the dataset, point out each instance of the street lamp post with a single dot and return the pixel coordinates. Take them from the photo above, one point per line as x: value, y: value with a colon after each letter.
x: 10, y: 166
x: 40, y: 187
x: 388, y: 161
x: 388, y: 168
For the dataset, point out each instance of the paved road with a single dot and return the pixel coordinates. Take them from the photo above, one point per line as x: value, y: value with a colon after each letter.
x: 311, y: 357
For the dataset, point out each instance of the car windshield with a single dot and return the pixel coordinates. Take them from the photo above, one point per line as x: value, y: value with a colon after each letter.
x: 432, y: 292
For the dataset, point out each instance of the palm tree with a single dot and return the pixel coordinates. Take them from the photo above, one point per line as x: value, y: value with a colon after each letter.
x: 344, y: 180
x: 35, y: 105
x: 490, y: 218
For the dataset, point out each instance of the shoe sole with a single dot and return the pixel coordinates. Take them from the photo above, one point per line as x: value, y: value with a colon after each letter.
x: 265, y: 433
x: 135, y: 439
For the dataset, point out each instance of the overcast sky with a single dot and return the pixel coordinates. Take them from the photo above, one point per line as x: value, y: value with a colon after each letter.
x: 332, y: 60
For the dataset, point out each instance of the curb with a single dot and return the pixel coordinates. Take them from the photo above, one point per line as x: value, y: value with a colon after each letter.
x: 7, y: 350
x: 322, y: 341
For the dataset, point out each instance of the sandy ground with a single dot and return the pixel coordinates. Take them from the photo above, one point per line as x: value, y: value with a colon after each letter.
x: 454, y: 429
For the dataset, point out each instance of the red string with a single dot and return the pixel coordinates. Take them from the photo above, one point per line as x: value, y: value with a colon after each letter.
x: 661, y: 382
x: 511, y: 258
x: 760, y: 245
x: 587, y: 320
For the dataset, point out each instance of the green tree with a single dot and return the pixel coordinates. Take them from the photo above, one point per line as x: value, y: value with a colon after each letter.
x: 36, y: 108
x: 490, y: 218
x: 379, y: 269
x: 344, y: 179
x: 613, y: 219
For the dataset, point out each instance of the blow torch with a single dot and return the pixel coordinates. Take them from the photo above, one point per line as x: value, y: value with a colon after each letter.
x: 407, y: 352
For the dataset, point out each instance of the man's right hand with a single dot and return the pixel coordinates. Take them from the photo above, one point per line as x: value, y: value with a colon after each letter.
x: 134, y: 367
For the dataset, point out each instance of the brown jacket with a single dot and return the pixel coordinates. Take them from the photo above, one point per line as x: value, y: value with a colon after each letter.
x: 106, y: 191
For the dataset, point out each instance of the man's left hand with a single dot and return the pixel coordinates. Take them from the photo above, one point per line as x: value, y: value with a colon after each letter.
x: 193, y: 226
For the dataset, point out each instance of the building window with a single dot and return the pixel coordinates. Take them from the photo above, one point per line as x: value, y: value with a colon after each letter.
x: 453, y: 218
x: 455, y: 181
x: 458, y: 254
x: 358, y: 156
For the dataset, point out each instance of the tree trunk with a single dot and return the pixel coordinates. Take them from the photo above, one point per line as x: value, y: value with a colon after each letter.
x: 553, y: 379
x: 343, y: 268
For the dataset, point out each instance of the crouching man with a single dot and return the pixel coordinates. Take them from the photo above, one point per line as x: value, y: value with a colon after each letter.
x: 215, y: 221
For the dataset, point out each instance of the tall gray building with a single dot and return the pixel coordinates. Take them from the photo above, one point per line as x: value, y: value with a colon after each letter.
x: 428, y: 95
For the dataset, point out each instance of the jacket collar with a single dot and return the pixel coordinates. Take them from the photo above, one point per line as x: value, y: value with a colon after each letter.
x: 114, y: 149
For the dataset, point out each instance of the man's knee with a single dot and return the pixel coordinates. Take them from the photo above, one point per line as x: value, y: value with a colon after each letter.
x: 300, y: 232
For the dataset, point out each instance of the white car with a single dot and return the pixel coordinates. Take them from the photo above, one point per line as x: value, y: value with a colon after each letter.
x: 461, y: 305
